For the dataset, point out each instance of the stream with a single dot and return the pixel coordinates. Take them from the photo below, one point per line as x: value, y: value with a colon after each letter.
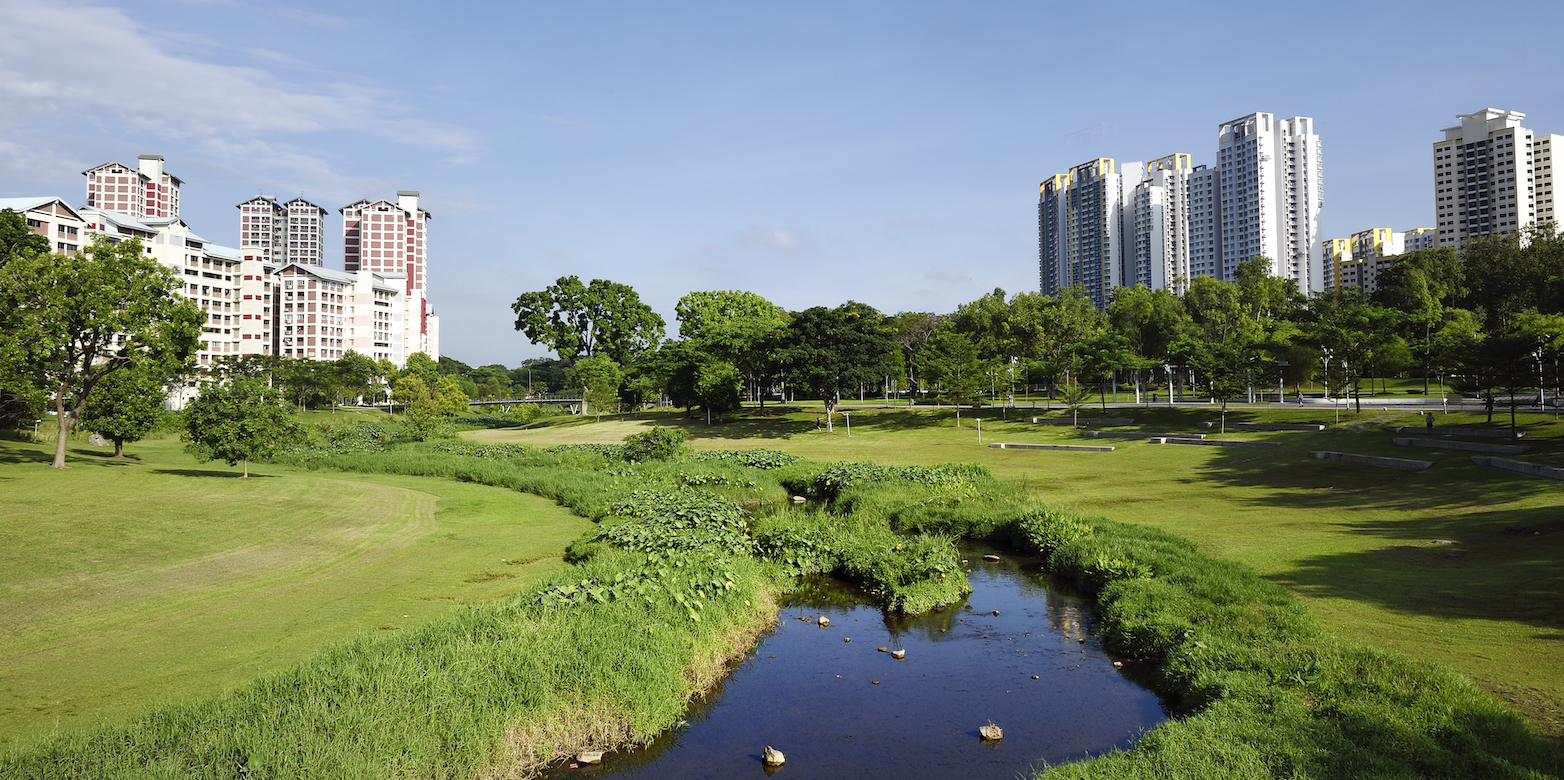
x: 840, y: 709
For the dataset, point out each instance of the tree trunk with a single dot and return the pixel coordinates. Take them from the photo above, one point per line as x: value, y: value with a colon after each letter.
x: 119, y: 448
x: 246, y: 468
x: 830, y: 410
x: 65, y: 428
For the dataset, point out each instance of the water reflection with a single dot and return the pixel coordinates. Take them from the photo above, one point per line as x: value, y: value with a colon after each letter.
x: 842, y: 709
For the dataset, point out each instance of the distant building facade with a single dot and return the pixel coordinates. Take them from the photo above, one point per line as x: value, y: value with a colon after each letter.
x: 143, y: 191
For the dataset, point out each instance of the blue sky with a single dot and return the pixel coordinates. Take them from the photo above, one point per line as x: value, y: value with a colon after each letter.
x: 810, y: 152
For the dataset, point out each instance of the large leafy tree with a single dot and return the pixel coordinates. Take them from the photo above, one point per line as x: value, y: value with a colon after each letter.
x: 71, y: 320
x: 737, y: 327
x: 353, y: 373
x: 125, y: 405
x: 577, y: 320
x: 1351, y: 333
x: 238, y: 420
x: 20, y: 397
x: 1420, y: 286
x: 831, y: 351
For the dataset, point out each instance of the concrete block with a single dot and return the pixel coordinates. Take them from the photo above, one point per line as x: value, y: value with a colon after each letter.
x: 1520, y: 467
x: 1137, y: 435
x: 1064, y: 447
x: 1082, y: 421
x: 1243, y: 426
x: 1215, y: 442
x: 1481, y: 433
x: 1373, y: 460
x: 1463, y: 446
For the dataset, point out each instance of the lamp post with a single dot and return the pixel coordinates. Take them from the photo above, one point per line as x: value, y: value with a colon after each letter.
x: 35, y: 430
x: 849, y: 416
x: 1167, y: 368
x: 1281, y: 381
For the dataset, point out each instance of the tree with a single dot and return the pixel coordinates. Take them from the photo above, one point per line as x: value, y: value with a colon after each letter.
x: 577, y: 320
x: 71, y: 320
x: 599, y: 378
x: 17, y: 239
x: 1350, y: 332
x: 423, y: 367
x: 1103, y: 353
x: 719, y: 386
x: 912, y: 331
x: 1419, y: 285
x: 125, y: 405
x: 831, y: 350
x: 238, y: 420
x: 740, y: 328
x: 307, y: 381
x: 353, y: 373
x: 952, y: 361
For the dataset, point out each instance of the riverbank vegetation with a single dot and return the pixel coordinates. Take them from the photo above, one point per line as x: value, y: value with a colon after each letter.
x: 679, y: 572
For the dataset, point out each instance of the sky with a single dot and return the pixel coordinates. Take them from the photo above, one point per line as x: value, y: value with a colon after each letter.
x: 811, y: 152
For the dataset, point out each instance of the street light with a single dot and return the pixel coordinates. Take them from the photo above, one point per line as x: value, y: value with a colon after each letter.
x: 35, y: 430
x: 1168, y: 369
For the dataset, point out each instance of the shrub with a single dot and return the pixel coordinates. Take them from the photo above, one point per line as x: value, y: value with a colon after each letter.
x: 656, y: 443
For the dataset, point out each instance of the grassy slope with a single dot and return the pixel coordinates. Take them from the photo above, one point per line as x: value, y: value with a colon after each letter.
x: 159, y: 578
x: 1356, y: 542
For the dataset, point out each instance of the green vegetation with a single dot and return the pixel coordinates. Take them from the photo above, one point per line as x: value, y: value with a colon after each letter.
x: 681, y: 569
x: 1417, y: 563
x: 131, y: 582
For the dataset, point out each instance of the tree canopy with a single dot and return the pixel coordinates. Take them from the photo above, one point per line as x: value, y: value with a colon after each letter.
x: 578, y: 321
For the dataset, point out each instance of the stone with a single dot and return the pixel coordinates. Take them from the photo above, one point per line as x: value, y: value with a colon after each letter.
x: 898, y: 654
x: 97, y: 441
x: 824, y: 621
x: 1118, y: 664
x: 590, y: 757
x: 772, y: 757
x: 799, y: 500
x: 876, y: 682
x: 996, y: 613
x: 1035, y: 677
x: 846, y: 639
x: 1373, y: 460
x: 991, y: 732
x: 883, y: 649
x: 991, y: 559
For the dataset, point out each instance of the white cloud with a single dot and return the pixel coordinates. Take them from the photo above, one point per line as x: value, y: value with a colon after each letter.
x: 786, y: 240
x: 63, y: 65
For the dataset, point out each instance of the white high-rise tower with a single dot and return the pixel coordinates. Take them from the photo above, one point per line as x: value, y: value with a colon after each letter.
x: 1271, y: 196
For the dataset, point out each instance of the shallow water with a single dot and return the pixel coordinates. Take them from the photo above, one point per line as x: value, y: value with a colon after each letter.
x: 813, y: 696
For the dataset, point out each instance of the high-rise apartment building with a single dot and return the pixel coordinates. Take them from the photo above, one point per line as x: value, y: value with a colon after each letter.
x: 1158, y: 226
x: 1545, y: 148
x: 1271, y: 197
x: 261, y: 221
x: 1205, y: 222
x: 143, y: 191
x: 292, y: 232
x: 1081, y: 220
x: 1484, y: 182
x: 392, y: 239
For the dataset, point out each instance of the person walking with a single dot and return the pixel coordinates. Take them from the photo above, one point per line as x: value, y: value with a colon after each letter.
x: 1429, y: 421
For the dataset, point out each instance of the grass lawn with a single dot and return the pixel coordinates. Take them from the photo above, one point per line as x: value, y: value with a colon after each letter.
x: 1418, y: 562
x: 123, y: 584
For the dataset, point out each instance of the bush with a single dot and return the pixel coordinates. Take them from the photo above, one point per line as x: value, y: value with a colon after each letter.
x: 655, y: 443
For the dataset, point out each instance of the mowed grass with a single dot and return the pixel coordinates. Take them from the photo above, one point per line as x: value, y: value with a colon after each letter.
x: 126, y: 584
x: 1417, y: 562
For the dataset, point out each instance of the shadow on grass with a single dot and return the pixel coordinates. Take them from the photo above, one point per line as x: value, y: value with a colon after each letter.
x: 211, y: 473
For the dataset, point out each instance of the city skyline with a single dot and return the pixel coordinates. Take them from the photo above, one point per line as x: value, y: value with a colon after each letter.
x: 888, y: 154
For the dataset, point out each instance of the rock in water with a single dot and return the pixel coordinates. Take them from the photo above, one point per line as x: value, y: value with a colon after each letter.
x: 883, y: 649
x: 898, y: 654
x: 991, y: 559
x: 824, y: 621
x: 773, y: 757
x: 590, y: 757
x: 990, y: 731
